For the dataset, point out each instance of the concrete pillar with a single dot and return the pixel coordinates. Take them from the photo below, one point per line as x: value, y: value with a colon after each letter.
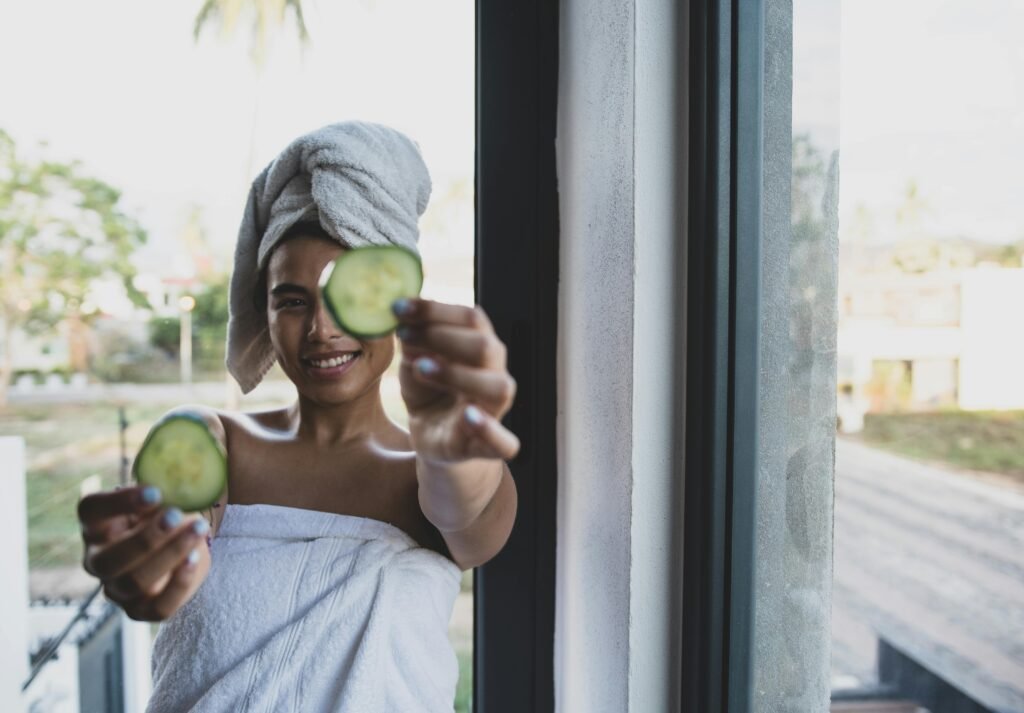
x: 617, y: 579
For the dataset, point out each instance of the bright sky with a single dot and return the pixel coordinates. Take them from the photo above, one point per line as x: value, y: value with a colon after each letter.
x: 121, y: 85
x: 933, y: 90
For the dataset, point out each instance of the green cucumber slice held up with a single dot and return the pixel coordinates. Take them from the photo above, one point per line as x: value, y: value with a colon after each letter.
x: 360, y: 286
x: 185, y: 461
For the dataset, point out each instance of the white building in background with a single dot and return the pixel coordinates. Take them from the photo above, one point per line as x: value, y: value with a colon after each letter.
x: 951, y: 338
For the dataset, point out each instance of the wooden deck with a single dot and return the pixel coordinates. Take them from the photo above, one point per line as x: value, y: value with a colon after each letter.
x: 933, y: 562
x: 875, y: 707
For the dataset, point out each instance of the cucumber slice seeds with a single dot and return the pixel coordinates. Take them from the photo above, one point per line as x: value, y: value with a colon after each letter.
x: 360, y: 286
x: 182, y: 458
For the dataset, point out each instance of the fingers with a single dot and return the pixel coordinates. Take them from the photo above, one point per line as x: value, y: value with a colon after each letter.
x: 151, y: 535
x: 416, y: 311
x: 149, y: 578
x: 488, y: 438
x: 103, y: 514
x: 181, y: 583
x: 493, y: 390
x: 457, y: 344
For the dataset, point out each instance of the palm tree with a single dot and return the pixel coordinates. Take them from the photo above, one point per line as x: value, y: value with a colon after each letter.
x: 266, y: 15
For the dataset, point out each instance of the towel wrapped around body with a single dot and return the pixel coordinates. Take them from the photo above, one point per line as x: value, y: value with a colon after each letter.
x: 308, y: 611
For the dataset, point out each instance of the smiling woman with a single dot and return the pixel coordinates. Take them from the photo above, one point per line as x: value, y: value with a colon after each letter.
x: 332, y: 512
x: 310, y: 347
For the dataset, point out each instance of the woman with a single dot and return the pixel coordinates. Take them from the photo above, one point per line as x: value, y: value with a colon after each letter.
x: 340, y: 537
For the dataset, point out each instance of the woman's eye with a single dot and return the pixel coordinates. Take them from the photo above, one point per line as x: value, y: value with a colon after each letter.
x: 294, y: 302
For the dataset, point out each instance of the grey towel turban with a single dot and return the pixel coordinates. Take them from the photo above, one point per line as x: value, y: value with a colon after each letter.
x: 365, y: 183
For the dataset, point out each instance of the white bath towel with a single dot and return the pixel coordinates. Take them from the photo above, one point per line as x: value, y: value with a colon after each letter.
x: 307, y: 612
x: 365, y: 183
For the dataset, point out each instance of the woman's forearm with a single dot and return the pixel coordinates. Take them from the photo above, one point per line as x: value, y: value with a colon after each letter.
x: 453, y: 495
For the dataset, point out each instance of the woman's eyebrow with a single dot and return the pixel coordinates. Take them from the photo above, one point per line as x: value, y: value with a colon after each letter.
x: 288, y: 287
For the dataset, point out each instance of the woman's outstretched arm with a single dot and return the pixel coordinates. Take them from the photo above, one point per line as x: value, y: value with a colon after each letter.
x: 457, y: 388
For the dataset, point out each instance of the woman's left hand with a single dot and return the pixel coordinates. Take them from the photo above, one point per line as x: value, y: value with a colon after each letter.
x: 455, y: 382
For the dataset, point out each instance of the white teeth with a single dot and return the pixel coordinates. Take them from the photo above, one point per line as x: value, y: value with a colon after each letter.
x: 329, y: 363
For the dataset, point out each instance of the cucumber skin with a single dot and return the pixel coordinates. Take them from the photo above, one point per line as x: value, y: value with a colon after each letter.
x: 194, y: 418
x: 326, y: 278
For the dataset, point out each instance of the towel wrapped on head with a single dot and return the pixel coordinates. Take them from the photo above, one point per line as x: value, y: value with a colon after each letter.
x: 366, y: 184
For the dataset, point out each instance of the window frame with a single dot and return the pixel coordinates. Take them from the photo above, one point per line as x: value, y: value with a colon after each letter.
x: 516, y: 282
x: 723, y: 248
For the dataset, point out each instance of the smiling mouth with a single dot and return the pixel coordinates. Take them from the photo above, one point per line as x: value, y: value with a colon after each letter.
x: 331, y: 362
x: 330, y: 365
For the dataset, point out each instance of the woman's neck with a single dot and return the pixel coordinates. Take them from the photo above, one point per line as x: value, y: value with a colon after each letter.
x: 359, y: 420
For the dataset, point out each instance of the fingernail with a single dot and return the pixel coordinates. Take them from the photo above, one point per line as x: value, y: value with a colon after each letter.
x: 427, y: 366
x: 474, y: 416
x: 150, y: 495
x: 200, y: 526
x: 171, y: 519
x: 402, y: 306
x: 403, y: 332
x: 193, y: 557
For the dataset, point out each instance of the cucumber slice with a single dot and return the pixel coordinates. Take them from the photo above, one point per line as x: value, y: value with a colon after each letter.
x: 361, y: 284
x: 182, y: 458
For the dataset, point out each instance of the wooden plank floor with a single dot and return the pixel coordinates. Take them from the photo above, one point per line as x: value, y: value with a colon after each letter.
x: 935, y: 561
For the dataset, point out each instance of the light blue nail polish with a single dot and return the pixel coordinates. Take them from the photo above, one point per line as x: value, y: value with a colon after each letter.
x: 193, y: 556
x: 200, y: 526
x: 427, y: 366
x: 474, y: 416
x: 401, y: 306
x: 172, y: 518
x: 403, y: 332
x: 150, y: 494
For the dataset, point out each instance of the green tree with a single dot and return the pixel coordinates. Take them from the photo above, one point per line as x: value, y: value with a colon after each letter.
x: 264, y: 16
x: 60, y: 230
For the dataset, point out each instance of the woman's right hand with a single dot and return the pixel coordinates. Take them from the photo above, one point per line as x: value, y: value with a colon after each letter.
x: 150, y: 559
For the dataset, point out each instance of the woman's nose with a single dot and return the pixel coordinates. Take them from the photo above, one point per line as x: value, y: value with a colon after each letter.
x: 322, y: 328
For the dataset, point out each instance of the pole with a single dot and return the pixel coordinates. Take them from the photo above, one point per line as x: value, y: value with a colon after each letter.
x: 123, y: 423
x: 186, y: 303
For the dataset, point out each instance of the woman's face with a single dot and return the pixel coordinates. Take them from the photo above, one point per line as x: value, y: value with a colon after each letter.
x: 327, y: 365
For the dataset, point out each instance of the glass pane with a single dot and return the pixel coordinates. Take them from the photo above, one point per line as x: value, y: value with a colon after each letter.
x: 929, y: 507
x: 794, y: 515
x: 177, y: 127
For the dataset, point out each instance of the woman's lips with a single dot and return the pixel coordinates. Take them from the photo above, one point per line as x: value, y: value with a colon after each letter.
x: 329, y: 372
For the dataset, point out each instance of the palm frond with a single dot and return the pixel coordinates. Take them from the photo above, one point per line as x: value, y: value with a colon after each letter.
x: 266, y: 15
x: 208, y: 12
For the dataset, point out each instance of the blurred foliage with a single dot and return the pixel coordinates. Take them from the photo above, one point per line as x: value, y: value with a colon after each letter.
x: 264, y: 16
x: 209, y: 329
x: 60, y: 231
x: 121, y: 358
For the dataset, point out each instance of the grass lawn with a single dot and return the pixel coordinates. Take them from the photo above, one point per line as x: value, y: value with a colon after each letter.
x: 464, y: 692
x: 991, y: 441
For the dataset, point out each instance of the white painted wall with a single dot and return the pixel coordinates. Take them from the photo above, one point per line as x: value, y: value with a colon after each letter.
x: 137, y: 649
x: 14, y: 566
x: 991, y: 373
x: 616, y: 580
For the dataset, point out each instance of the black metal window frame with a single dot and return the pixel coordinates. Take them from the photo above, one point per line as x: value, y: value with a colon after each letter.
x: 723, y: 248
x: 516, y: 282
